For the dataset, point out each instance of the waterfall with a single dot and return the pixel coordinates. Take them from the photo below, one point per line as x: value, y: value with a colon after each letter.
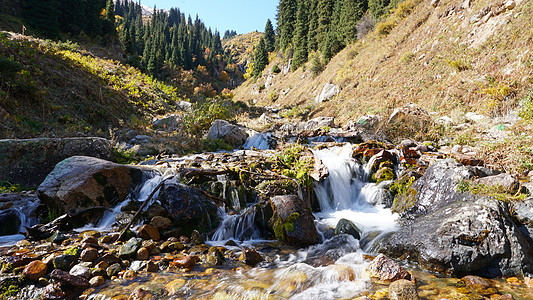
x: 347, y: 194
x: 25, y: 210
x: 239, y: 227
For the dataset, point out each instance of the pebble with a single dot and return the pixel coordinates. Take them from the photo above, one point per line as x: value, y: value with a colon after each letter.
x: 97, y: 281
x: 149, y: 232
x: 143, y: 254
x: 35, y: 270
x: 129, y: 275
x: 89, y: 255
x: 81, y: 271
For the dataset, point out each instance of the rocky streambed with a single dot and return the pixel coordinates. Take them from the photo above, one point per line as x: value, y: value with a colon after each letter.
x: 329, y: 221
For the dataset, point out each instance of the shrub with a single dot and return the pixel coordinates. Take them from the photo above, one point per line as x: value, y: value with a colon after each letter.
x: 204, y: 113
x: 526, y: 110
x: 316, y: 65
x: 459, y: 65
x: 385, y: 27
x: 407, y: 57
x: 276, y: 69
x: 272, y: 96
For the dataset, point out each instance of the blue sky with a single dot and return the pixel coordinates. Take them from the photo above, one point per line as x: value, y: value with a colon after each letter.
x: 242, y: 16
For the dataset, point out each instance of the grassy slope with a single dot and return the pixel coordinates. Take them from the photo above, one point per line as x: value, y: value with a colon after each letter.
x: 435, y: 57
x: 439, y: 58
x: 60, y: 89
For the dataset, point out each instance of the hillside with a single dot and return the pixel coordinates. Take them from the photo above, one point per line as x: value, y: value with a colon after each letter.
x: 449, y: 57
x: 240, y: 47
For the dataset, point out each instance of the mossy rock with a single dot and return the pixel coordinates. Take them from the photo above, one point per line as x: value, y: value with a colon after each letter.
x: 383, y: 174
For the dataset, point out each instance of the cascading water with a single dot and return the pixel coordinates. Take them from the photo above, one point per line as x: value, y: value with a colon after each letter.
x: 25, y: 210
x: 239, y: 227
x: 346, y: 195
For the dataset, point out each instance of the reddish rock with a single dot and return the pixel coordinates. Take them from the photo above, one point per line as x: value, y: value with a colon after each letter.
x: 187, y: 262
x: 476, y: 283
x: 161, y: 222
x: 149, y: 232
x: 89, y: 255
x: 110, y: 259
x: 467, y: 160
x: 35, y: 270
x: 250, y: 257
x: 152, y: 267
x: 386, y: 269
x: 129, y: 275
x: 73, y: 280
x: 293, y: 221
x: 143, y: 254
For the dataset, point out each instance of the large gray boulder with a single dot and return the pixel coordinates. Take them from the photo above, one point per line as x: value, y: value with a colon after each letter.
x: 476, y: 237
x: 457, y: 232
x: 231, y: 134
x: 293, y: 221
x: 28, y: 161
x: 82, y: 182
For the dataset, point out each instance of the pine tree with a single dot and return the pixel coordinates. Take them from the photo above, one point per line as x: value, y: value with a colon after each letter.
x: 43, y: 15
x: 270, y: 36
x: 351, y: 12
x: 325, y: 9
x: 312, y: 43
x: 287, y: 10
x: 300, y: 37
x: 260, y: 58
x: 379, y: 7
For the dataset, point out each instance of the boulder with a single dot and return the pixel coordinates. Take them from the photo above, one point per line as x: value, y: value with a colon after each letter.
x: 319, y: 123
x: 293, y: 221
x: 403, y: 290
x: 188, y: 208
x: 149, y: 232
x: 231, y: 134
x: 129, y: 249
x: 28, y: 161
x: 328, y: 91
x: 82, y: 182
x: 345, y: 226
x: 167, y: 123
x: 465, y: 237
x: 10, y: 221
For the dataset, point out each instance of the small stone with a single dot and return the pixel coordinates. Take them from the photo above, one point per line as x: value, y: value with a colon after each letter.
x: 64, y: 262
x: 187, y: 262
x: 149, y: 245
x: 176, y: 246
x: 403, y: 290
x: 130, y: 248
x: 250, y: 257
x: 143, y: 254
x: 113, y: 270
x: 91, y: 233
x: 64, y: 277
x: 149, y: 232
x: 476, y: 283
x: 161, y: 222
x: 97, y: 281
x: 386, y: 269
x: 197, y: 238
x: 34, y: 270
x: 151, y: 267
x: 231, y: 243
x: 129, y: 275
x: 90, y: 240
x: 184, y: 240
x: 175, y: 285
x: 103, y: 265
x: 89, y: 255
x: 347, y: 227
x: 215, y: 257
x: 138, y: 265
x: 140, y: 294
x: 110, y: 259
x: 105, y: 239
x: 81, y: 271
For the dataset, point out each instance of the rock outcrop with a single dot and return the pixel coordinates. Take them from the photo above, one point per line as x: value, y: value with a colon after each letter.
x: 293, y: 221
x: 82, y: 182
x: 231, y: 134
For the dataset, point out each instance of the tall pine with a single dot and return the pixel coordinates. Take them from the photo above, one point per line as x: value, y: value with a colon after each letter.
x: 270, y: 36
x: 300, y: 36
x: 260, y: 58
x: 287, y: 10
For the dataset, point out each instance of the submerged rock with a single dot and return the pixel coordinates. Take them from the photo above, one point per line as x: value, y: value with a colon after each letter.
x: 82, y: 182
x: 386, y: 269
x: 250, y: 257
x: 403, y: 290
x: 293, y: 221
x: 10, y: 221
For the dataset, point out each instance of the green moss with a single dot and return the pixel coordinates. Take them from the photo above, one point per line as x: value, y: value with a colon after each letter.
x: 9, y: 288
x: 75, y: 251
x: 383, y: 174
x: 405, y: 195
x: 497, y: 192
x: 281, y: 227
